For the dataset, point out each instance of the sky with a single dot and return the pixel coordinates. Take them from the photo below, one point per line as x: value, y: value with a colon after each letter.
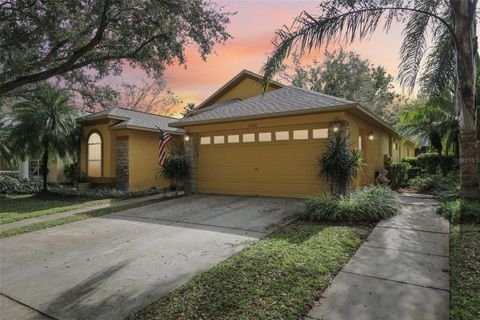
x: 253, y: 28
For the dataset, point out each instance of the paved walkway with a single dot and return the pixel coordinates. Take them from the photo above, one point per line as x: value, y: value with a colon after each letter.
x: 400, y: 272
x: 55, y: 216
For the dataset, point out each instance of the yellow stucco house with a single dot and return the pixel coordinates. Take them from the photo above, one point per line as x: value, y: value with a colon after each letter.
x: 120, y: 147
x: 242, y: 142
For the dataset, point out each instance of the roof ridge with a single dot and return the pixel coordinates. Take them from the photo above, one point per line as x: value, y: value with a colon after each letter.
x: 144, y: 112
x: 321, y: 94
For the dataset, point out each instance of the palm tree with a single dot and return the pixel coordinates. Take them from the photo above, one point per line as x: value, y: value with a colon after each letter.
x: 45, y: 125
x: 6, y: 151
x: 451, y: 61
x: 189, y: 107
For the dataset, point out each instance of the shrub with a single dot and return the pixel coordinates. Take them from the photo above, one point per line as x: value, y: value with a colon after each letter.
x: 429, y: 162
x: 72, y: 172
x: 176, y: 168
x: 324, y: 208
x: 398, y: 174
x: 369, y: 204
x: 11, y: 185
x: 12, y: 174
x: 339, y: 165
x: 411, y: 161
x: 101, y: 192
x: 422, y: 183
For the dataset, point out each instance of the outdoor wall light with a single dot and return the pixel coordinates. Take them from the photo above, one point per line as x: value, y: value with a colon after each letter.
x: 336, y: 125
x: 187, y: 138
x: 370, y: 134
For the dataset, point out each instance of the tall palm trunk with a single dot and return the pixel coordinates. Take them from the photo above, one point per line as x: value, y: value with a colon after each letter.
x: 45, y: 168
x: 466, y: 49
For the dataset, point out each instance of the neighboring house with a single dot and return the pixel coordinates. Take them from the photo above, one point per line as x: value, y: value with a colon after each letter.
x: 243, y: 142
x: 120, y: 148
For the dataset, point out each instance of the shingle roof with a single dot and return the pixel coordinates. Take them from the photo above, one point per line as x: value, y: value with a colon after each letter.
x: 286, y: 99
x: 136, y: 119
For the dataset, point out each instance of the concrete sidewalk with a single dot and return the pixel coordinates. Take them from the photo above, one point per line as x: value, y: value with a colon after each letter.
x: 400, y: 272
x: 55, y: 216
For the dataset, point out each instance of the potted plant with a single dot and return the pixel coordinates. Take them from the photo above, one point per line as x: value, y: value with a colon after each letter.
x: 176, y: 168
x: 82, y: 184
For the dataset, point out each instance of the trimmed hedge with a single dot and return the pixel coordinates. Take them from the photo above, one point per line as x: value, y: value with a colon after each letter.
x: 398, y: 174
x: 411, y: 161
x: 430, y: 162
x: 423, y: 183
x: 369, y: 204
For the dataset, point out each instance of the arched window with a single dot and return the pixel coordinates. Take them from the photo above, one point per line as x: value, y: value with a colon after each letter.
x: 94, y: 160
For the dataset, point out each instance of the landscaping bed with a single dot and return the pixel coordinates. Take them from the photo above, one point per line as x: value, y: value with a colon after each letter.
x: 279, y: 277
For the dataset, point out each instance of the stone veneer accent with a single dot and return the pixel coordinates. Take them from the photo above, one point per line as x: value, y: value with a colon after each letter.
x: 122, y: 162
x: 191, y: 150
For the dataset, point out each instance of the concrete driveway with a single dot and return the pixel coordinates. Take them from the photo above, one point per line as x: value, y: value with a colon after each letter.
x: 104, y: 268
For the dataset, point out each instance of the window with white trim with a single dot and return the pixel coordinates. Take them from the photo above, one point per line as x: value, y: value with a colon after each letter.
x: 320, y: 133
x: 205, y: 140
x: 218, y: 139
x: 265, y: 136
x: 282, y: 135
x: 248, y: 137
x: 300, y: 134
x: 94, y: 161
x: 233, y: 138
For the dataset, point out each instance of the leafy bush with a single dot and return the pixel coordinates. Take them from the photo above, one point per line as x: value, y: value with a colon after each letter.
x: 371, y: 203
x: 429, y: 162
x: 339, y: 164
x: 72, y: 172
x: 398, y: 174
x: 411, y: 161
x: 460, y: 211
x: 13, y: 174
x: 422, y: 183
x: 11, y: 185
x: 176, y: 167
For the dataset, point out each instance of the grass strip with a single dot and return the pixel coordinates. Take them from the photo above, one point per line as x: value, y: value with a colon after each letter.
x: 279, y: 277
x: 74, y: 218
x: 25, y: 208
x: 465, y: 271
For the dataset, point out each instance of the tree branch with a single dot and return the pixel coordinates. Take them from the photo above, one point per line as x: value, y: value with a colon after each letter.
x: 67, y: 65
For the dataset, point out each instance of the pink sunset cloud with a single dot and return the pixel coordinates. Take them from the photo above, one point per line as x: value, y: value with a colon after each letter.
x: 253, y: 29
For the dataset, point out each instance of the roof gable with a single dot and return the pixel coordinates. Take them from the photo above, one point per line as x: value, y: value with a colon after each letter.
x: 244, y: 85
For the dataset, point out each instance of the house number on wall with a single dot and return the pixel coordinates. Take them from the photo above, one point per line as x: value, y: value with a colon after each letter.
x: 252, y: 125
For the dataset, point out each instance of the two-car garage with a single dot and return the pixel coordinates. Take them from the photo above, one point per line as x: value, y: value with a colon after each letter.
x: 281, y: 161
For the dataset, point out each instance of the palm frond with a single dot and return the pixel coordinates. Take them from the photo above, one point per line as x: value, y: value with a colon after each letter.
x: 439, y: 70
x: 347, y: 21
x: 414, y: 43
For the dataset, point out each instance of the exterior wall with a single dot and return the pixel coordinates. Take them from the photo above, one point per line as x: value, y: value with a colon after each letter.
x: 142, y: 148
x: 374, y: 151
x: 123, y: 164
x: 143, y: 160
x: 247, y: 88
x: 404, y: 149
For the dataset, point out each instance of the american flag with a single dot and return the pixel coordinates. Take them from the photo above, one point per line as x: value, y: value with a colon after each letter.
x: 162, y: 146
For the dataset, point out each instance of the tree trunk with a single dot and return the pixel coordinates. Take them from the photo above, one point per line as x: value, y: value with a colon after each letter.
x: 45, y: 168
x: 465, y: 51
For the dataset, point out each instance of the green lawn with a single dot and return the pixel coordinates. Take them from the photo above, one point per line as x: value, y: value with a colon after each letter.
x: 465, y: 272
x: 25, y: 207
x: 279, y: 277
x: 74, y: 218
